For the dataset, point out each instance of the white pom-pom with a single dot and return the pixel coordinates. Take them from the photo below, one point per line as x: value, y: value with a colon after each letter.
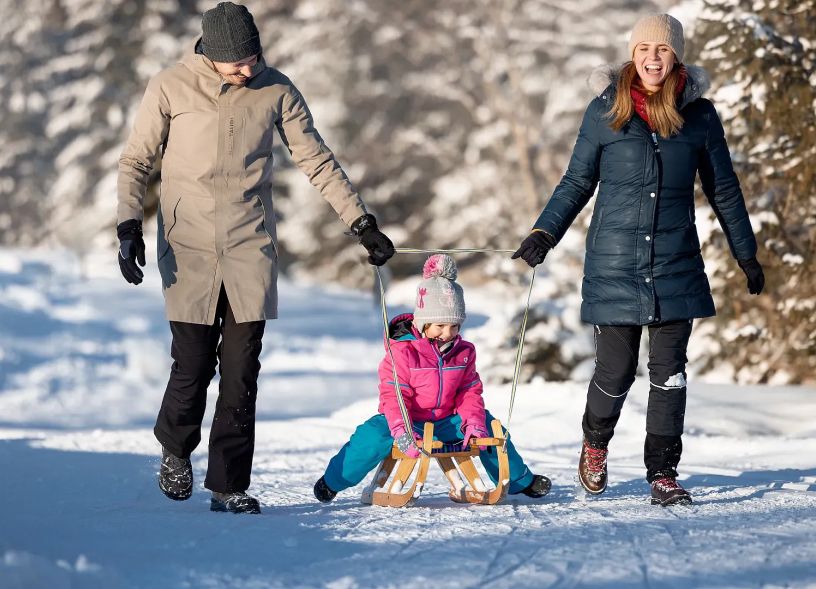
x: 439, y: 265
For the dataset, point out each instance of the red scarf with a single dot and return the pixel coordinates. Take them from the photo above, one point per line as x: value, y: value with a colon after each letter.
x: 640, y: 94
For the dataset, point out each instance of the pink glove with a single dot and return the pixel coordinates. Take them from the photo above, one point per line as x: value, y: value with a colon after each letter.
x: 474, y: 431
x: 406, y: 442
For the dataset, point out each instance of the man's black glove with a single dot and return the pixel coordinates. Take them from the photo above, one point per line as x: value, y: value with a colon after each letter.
x: 534, y: 248
x: 379, y: 247
x: 131, y: 250
x: 753, y: 271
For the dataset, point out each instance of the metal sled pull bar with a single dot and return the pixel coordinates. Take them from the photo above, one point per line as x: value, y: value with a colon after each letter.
x: 406, y: 418
x: 411, y: 250
x: 519, y: 351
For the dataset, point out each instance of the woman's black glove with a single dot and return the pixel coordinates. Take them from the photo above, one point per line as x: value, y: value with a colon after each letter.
x: 753, y: 271
x: 534, y: 248
x: 131, y: 250
x: 379, y: 247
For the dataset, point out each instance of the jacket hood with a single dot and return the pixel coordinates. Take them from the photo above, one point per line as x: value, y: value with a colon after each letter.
x: 198, y: 62
x: 603, y: 79
x: 403, y: 325
x: 202, y: 65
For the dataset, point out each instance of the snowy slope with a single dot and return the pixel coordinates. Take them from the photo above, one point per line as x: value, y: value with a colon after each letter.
x: 83, y: 362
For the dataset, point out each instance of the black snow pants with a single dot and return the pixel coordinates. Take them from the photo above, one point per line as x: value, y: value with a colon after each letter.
x: 616, y: 360
x: 196, y: 350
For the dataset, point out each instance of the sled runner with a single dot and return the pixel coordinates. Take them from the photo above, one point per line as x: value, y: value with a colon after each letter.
x: 396, y: 491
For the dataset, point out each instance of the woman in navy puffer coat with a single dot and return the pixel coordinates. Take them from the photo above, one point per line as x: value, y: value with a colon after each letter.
x: 642, y: 142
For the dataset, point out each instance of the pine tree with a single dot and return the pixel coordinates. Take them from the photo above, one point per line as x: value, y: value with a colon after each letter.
x: 762, y: 58
x: 70, y: 73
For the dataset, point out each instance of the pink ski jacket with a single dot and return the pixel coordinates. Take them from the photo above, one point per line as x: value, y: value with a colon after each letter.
x: 433, y: 385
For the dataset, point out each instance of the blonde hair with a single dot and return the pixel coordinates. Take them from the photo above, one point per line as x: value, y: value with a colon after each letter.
x: 660, y: 106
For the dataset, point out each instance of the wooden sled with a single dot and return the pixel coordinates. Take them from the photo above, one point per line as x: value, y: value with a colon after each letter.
x: 400, y: 493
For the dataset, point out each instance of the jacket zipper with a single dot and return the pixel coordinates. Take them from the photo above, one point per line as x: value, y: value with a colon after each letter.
x: 441, y: 381
x: 654, y: 207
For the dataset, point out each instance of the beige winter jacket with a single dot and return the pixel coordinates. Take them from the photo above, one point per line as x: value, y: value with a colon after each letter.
x: 216, y: 219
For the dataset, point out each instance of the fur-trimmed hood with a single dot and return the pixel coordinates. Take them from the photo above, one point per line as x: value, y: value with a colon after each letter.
x: 602, y: 82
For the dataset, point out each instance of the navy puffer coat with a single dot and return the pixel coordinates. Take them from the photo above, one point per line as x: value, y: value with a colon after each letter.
x: 643, y: 262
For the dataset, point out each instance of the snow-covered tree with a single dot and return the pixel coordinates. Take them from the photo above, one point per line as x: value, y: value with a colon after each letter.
x: 762, y: 57
x: 70, y: 73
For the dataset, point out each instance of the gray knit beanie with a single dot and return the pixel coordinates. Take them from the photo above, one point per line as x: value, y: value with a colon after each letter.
x: 229, y: 33
x: 439, y: 298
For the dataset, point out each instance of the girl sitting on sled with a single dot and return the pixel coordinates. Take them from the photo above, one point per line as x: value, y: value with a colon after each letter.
x: 439, y: 382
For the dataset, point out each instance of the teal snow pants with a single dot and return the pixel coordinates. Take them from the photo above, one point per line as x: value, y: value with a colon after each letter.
x: 371, y: 442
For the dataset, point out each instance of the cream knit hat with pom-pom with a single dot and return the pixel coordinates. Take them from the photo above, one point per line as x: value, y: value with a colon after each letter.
x: 439, y: 298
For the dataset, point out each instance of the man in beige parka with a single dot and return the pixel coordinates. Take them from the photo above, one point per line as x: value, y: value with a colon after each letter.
x: 213, y: 118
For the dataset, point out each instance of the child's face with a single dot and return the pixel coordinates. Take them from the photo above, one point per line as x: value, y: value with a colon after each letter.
x: 444, y: 332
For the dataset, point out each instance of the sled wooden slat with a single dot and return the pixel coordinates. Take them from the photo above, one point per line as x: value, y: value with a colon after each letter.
x: 397, y: 453
x: 439, y: 455
x: 400, y: 493
x: 473, y: 450
x: 487, y: 442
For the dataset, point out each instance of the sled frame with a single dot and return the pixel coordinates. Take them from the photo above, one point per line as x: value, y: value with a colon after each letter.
x: 388, y: 491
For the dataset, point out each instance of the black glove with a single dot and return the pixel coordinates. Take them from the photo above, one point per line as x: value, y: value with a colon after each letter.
x: 131, y: 250
x: 534, y: 248
x: 379, y: 247
x: 753, y: 271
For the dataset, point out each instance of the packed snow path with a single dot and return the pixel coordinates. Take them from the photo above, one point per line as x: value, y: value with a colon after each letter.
x: 83, y: 364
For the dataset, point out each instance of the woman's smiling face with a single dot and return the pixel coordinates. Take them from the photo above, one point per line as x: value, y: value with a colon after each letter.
x: 654, y: 62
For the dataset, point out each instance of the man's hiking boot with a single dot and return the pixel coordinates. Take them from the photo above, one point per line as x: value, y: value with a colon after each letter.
x: 667, y: 491
x: 323, y: 492
x: 592, y: 468
x: 238, y: 502
x: 175, y: 476
x: 540, y: 486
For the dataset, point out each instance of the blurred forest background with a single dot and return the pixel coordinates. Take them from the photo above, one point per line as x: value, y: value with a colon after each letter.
x: 455, y: 120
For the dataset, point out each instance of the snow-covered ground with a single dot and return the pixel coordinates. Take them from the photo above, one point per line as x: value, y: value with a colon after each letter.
x: 83, y: 363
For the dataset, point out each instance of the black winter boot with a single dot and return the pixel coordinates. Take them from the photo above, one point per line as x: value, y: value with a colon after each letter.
x: 175, y: 476
x: 540, y: 486
x: 667, y: 491
x: 238, y: 502
x: 323, y: 492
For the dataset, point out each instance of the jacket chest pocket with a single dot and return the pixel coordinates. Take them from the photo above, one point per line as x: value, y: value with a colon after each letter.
x: 258, y: 132
x: 452, y: 375
x: 425, y: 378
